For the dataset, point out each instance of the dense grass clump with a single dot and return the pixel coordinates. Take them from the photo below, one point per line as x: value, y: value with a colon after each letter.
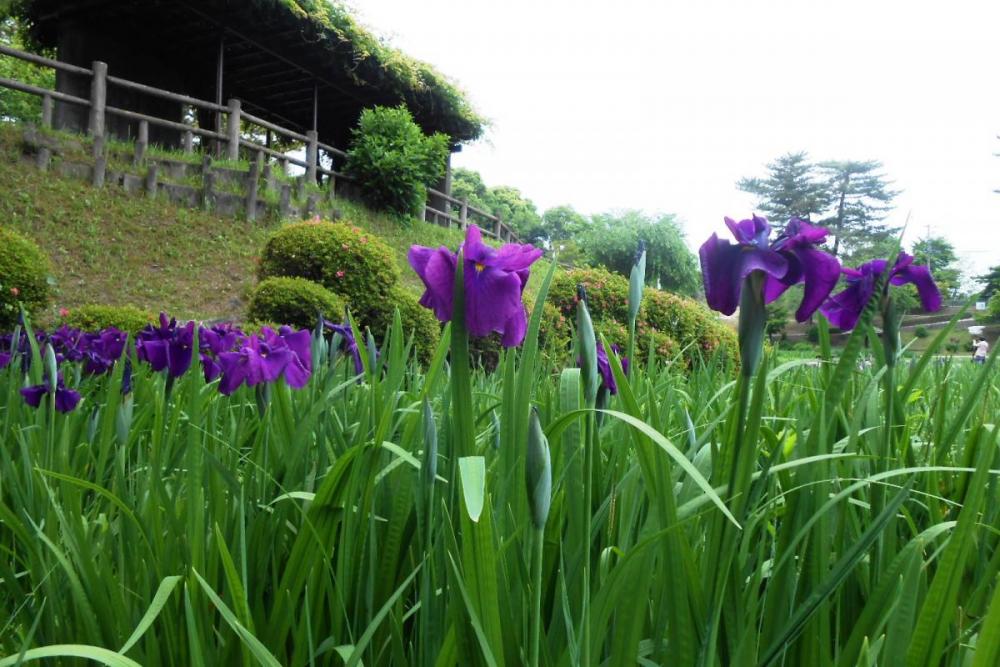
x: 380, y: 513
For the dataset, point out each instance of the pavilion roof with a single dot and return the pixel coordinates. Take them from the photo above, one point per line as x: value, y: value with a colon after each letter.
x: 276, y: 53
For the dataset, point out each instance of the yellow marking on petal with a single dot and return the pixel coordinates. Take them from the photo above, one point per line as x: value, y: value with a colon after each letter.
x: 480, y: 267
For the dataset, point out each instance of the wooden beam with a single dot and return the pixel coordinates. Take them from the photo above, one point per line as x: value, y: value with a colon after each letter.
x: 271, y: 52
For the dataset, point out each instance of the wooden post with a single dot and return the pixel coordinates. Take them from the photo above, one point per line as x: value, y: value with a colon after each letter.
x: 47, y: 111
x: 423, y: 212
x: 268, y: 176
x: 98, y: 98
x: 100, y: 162
x: 208, y: 188
x: 141, y: 142
x: 284, y: 166
x: 233, y: 131
x: 151, y: 181
x: 188, y: 142
x: 499, y: 228
x: 219, y: 67
x: 253, y: 179
x: 285, y: 201
x: 312, y: 153
x: 463, y: 213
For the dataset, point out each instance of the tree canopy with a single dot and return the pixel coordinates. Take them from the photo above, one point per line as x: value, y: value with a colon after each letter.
x: 851, y: 198
x: 612, y: 238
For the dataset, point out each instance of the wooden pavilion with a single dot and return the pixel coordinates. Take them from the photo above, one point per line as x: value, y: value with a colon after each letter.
x: 302, y: 64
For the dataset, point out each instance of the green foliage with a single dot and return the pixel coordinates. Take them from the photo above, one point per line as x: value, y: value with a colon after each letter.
x: 24, y: 277
x: 295, y: 301
x: 921, y: 331
x: 268, y: 521
x: 339, y: 256
x: 792, y: 188
x: 850, y: 198
x: 503, y: 201
x: 939, y: 253
x: 563, y: 223
x: 93, y: 317
x: 14, y: 105
x: 611, y: 240
x: 393, y: 161
x: 672, y: 322
x: 860, y: 199
x: 417, y: 321
x: 990, y: 281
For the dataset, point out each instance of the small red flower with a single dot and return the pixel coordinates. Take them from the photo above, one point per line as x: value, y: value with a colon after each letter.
x: 63, y: 312
x: 345, y: 246
x: 16, y: 292
x: 364, y: 239
x: 340, y: 274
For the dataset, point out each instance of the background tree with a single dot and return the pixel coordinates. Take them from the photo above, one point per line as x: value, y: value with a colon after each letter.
x: 611, y: 240
x: 519, y: 212
x: 503, y: 201
x: 14, y: 105
x: 990, y: 281
x: 563, y: 223
x: 860, y: 198
x: 791, y: 188
x: 938, y: 253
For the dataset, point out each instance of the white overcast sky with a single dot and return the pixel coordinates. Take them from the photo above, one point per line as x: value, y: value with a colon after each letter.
x: 662, y: 106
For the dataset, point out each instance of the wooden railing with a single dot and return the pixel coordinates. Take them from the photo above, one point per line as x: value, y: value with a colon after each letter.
x: 226, y: 138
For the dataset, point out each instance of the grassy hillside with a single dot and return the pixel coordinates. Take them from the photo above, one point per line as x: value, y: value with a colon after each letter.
x: 113, y: 248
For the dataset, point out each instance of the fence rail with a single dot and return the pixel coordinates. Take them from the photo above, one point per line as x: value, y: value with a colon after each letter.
x: 228, y: 137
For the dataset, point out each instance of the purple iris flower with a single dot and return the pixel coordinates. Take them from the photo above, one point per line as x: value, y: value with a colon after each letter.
x: 101, y: 350
x: 790, y: 259
x: 604, y: 367
x: 168, y: 346
x: 494, y: 282
x: 844, y: 308
x: 4, y: 360
x: 348, y: 343
x: 213, y: 341
x: 69, y: 344
x: 66, y: 399
x: 267, y: 357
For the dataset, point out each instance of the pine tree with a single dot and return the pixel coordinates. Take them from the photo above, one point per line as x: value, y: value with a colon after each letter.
x: 790, y: 189
x: 861, y: 199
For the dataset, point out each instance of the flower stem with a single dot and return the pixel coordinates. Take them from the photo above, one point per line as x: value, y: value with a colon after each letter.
x: 536, y: 595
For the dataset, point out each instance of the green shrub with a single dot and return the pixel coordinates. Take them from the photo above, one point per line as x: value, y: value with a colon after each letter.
x: 607, y: 294
x: 24, y: 277
x: 672, y: 322
x: 93, y: 317
x: 393, y: 161
x: 340, y: 257
x: 294, y: 301
x: 417, y: 321
x: 921, y: 331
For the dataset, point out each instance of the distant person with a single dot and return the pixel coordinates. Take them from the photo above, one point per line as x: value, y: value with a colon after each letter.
x: 980, y: 349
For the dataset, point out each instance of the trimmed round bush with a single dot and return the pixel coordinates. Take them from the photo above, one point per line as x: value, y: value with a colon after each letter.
x: 342, y: 258
x: 294, y: 301
x: 24, y: 277
x: 417, y: 321
x: 671, y: 322
x: 607, y: 294
x: 94, y: 317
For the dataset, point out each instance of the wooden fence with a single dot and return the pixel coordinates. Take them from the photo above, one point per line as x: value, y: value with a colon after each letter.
x: 226, y: 138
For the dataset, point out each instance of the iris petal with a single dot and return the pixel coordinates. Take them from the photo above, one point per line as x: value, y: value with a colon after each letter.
x: 920, y: 276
